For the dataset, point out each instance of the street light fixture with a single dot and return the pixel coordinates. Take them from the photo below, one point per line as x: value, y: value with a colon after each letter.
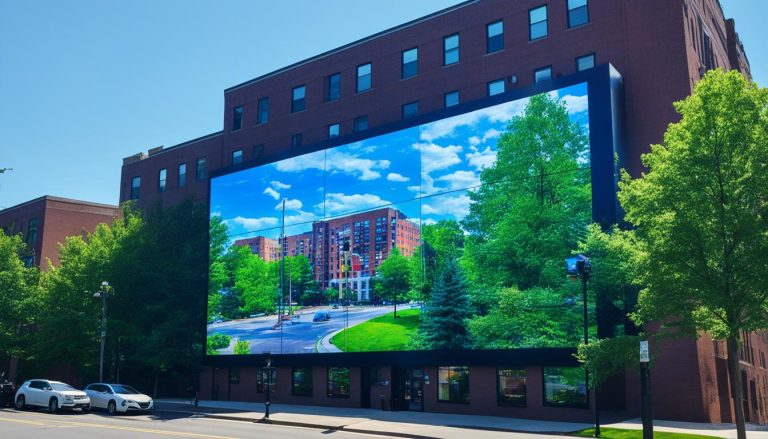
x: 102, y: 293
x: 268, y: 368
x: 579, y: 266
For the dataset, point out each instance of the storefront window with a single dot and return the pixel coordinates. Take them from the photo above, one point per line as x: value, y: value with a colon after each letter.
x: 511, y: 387
x: 453, y: 384
x: 565, y: 386
x: 302, y: 381
x: 338, y: 382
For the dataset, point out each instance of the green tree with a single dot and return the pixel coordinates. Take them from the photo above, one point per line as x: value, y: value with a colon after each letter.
x: 394, y: 277
x: 19, y: 298
x: 700, y: 215
x: 257, y: 282
x: 218, y: 275
x: 534, y: 203
x: 444, y: 324
x: 441, y: 242
x: 242, y: 347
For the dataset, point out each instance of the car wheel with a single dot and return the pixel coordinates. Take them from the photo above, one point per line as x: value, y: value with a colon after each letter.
x: 53, y: 405
x: 21, y: 402
x: 112, y: 407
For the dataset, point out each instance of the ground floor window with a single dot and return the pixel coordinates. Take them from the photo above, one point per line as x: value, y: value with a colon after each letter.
x: 264, y: 376
x: 234, y: 375
x: 453, y: 384
x: 338, y: 382
x: 565, y: 386
x: 302, y: 381
x: 511, y: 387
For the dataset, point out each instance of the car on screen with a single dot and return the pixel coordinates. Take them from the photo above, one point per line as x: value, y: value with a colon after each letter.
x: 52, y: 394
x: 118, y: 398
x: 321, y: 316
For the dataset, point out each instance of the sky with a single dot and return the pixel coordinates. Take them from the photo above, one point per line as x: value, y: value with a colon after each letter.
x: 85, y: 83
x: 425, y: 172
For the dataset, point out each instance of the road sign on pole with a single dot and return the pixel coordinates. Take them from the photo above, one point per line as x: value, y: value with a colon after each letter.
x: 644, y: 355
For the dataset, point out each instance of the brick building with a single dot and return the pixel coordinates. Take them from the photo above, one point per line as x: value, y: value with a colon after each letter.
x: 661, y: 48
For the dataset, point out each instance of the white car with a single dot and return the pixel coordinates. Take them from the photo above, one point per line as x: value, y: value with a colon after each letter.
x: 118, y: 398
x: 52, y: 394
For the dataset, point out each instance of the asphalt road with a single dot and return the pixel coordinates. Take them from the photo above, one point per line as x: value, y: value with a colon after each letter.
x: 298, y: 338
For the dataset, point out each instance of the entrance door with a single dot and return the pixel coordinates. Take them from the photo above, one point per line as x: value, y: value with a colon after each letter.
x: 413, y: 389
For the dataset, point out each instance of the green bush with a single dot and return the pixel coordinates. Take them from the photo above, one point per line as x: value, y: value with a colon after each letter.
x: 216, y: 342
x: 242, y: 347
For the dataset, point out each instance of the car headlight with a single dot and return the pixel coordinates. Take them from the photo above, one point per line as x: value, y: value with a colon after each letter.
x: 123, y: 403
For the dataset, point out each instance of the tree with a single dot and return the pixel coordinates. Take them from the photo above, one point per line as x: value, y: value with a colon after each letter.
x: 441, y: 242
x: 394, y: 275
x: 701, y: 217
x: 444, y: 324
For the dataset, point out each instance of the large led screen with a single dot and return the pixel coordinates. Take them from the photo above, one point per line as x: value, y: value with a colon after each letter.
x: 446, y: 235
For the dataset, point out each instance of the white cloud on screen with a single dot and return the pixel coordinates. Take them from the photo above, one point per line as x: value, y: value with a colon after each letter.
x: 290, y: 205
x: 576, y: 104
x: 335, y: 162
x: 498, y: 113
x: 480, y: 159
x: 461, y: 180
x: 435, y: 157
x: 393, y: 176
x: 279, y: 185
x: 339, y: 203
x: 253, y: 224
x: 454, y: 205
x: 272, y: 193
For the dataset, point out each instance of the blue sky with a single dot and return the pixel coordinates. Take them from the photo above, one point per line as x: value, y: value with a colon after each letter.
x: 425, y: 172
x: 84, y: 83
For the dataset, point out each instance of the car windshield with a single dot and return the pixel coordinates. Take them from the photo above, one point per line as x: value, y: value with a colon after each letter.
x: 61, y: 387
x: 124, y: 390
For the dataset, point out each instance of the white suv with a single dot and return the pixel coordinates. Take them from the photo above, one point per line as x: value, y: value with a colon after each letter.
x: 118, y: 398
x: 52, y: 394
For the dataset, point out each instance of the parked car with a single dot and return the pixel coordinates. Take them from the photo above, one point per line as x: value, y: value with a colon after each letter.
x: 52, y: 394
x: 321, y: 316
x: 7, y: 390
x: 118, y: 398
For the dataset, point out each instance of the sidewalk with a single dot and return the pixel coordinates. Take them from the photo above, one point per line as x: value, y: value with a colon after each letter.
x: 425, y: 425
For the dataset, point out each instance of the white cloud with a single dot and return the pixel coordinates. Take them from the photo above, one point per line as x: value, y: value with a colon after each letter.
x: 392, y: 176
x: 474, y: 140
x: 338, y: 203
x: 481, y: 159
x: 300, y: 217
x: 429, y: 222
x: 435, y: 157
x: 252, y: 224
x: 576, y: 104
x: 455, y: 205
x: 290, y: 205
x: 315, y: 160
x: 498, y: 113
x: 461, y: 179
x: 272, y: 193
x: 335, y: 162
x: 279, y: 185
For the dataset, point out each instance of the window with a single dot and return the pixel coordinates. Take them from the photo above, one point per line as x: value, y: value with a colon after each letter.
x: 333, y: 87
x: 585, y: 62
x: 201, y: 173
x: 511, y: 387
x: 451, y: 49
x: 565, y: 386
x: 296, y: 140
x: 263, y: 111
x: 410, y: 63
x: 234, y: 375
x: 265, y: 376
x: 237, y: 156
x: 363, y: 77
x: 542, y: 74
x: 338, y: 382
x: 361, y: 123
x: 302, y: 381
x: 496, y: 87
x: 135, y: 188
x: 410, y: 110
x: 237, y: 118
x: 32, y: 231
x: 494, y: 37
x: 258, y: 151
x: 578, y: 13
x: 451, y: 98
x: 162, y: 176
x: 182, y: 174
x: 453, y: 384
x: 297, y: 102
x: 537, y: 19
x: 333, y: 130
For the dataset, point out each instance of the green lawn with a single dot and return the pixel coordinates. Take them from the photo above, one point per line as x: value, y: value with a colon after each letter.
x: 616, y: 433
x: 384, y: 333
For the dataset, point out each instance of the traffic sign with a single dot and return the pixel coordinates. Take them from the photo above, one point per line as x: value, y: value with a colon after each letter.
x: 644, y: 355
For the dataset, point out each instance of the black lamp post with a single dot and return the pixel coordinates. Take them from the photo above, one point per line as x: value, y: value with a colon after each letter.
x: 580, y: 266
x: 102, y: 293
x: 268, y: 368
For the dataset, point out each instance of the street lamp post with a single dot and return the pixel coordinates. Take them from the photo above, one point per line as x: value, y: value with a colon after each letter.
x: 102, y: 293
x: 580, y: 266
x: 268, y: 368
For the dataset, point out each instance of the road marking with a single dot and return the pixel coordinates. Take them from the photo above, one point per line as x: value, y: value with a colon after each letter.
x: 22, y: 421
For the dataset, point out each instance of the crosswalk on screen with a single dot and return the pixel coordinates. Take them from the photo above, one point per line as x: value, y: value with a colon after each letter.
x: 446, y: 235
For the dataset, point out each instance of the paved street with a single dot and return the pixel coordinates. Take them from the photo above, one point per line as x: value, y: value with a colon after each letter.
x: 292, y: 338
x: 35, y: 424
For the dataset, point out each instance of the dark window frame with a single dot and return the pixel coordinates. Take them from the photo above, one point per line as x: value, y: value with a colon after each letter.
x: 445, y: 98
x: 447, y: 52
x: 234, y: 153
x: 338, y: 130
x: 299, y: 104
x: 360, y: 78
x: 497, y: 81
x: 135, y: 187
x: 594, y: 61
x: 32, y: 226
x: 411, y: 68
x: 303, y: 386
x: 531, y: 23
x: 359, y: 120
x: 297, y: 140
x: 541, y: 69
x: 500, y: 401
x: 570, y: 10
x: 234, y: 375
x: 545, y: 403
x: 162, y: 180
x: 466, y: 400
x: 494, y: 43
x: 332, y: 92
x: 182, y: 175
x: 201, y: 170
x: 331, y: 382
x: 407, y: 106
x: 258, y: 150
x: 237, y: 118
x: 262, y: 112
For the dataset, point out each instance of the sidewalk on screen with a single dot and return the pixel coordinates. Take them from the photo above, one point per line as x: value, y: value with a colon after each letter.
x: 421, y: 424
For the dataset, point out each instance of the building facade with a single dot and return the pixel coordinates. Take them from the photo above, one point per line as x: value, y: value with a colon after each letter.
x: 461, y: 54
